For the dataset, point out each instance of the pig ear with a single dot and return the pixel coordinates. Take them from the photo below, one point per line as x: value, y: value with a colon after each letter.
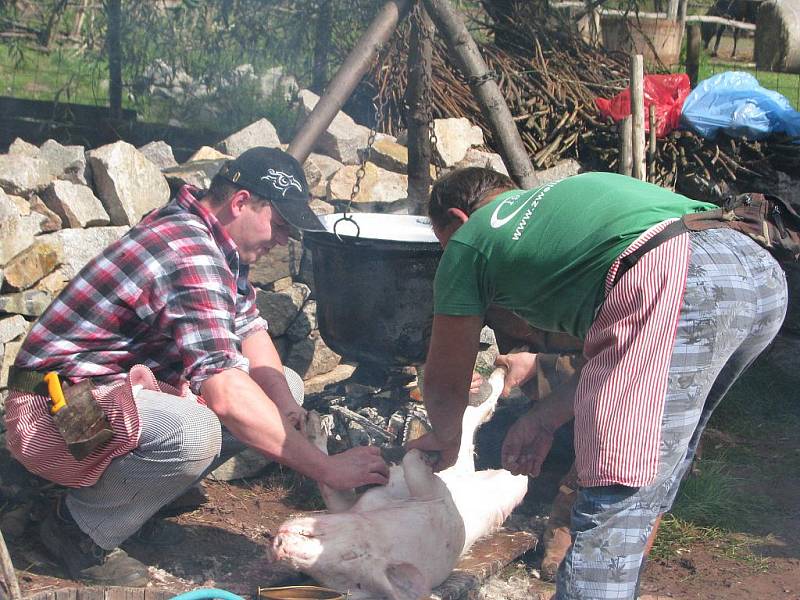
x: 407, y: 582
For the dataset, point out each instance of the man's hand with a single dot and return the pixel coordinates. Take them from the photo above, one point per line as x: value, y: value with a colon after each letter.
x: 448, y: 452
x: 527, y: 443
x: 356, y: 467
x: 295, y: 414
x: 521, y: 368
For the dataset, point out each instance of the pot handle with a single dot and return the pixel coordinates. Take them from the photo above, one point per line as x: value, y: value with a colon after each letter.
x: 346, y: 217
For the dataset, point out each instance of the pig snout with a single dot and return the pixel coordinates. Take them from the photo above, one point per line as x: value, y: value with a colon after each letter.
x: 297, y: 543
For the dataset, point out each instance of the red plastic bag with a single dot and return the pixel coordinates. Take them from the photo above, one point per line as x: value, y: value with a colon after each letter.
x: 667, y: 92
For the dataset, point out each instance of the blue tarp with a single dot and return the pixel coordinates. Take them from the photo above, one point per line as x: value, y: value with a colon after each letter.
x: 735, y: 103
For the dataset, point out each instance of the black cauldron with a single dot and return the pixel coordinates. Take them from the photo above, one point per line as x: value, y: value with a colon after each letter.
x: 373, y: 283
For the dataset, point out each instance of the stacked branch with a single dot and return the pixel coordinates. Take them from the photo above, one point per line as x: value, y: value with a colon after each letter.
x: 550, y: 79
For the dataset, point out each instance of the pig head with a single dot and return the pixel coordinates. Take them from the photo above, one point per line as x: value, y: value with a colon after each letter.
x: 399, y: 541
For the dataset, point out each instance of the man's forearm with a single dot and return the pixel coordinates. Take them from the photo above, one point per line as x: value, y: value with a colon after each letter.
x: 266, y: 368
x: 257, y: 421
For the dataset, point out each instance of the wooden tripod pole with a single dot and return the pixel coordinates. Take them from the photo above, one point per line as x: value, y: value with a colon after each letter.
x: 464, y: 50
x: 8, y: 570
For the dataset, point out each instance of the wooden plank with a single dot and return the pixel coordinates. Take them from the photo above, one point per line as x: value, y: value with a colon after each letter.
x: 91, y: 593
x: 67, y: 594
x: 487, y: 557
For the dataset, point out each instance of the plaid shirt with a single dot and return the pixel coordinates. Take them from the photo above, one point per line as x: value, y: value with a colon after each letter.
x: 170, y: 294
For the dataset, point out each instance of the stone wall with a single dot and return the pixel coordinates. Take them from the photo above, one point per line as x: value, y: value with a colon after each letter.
x: 61, y: 205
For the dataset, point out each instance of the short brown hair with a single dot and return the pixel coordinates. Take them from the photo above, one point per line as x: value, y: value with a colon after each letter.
x: 467, y: 189
x: 221, y: 189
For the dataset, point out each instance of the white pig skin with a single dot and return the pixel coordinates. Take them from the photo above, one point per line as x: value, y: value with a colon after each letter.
x: 398, y: 541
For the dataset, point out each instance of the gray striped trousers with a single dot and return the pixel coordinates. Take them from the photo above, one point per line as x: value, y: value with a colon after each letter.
x: 180, y: 442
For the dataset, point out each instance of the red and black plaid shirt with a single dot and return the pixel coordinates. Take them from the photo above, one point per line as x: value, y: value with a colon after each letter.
x: 170, y: 294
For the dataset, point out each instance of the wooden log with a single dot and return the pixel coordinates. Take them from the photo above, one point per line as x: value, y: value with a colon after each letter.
x: 9, y: 574
x: 418, y: 100
x: 465, y: 52
x: 693, y: 46
x: 777, y: 42
x: 637, y: 113
x: 347, y: 77
x: 625, y: 146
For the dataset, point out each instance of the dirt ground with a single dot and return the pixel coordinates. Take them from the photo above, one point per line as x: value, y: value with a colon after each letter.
x: 226, y: 541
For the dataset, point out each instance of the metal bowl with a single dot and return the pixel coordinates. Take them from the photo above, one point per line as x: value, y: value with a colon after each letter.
x: 299, y: 592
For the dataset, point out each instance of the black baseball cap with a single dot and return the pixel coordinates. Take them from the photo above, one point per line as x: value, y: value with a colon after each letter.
x: 275, y: 176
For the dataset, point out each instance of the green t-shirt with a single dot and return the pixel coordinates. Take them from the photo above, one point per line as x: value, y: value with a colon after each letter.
x: 544, y: 253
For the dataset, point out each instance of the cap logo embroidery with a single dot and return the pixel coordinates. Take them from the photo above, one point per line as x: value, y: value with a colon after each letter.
x: 282, y: 181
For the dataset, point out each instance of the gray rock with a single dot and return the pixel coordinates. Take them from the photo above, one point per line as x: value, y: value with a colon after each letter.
x: 378, y: 186
x: 75, y: 204
x: 30, y: 303
x: 66, y: 162
x: 311, y: 357
x: 563, y: 168
x: 198, y: 173
x: 480, y: 158
x: 160, y: 154
x: 247, y: 463
x: 29, y: 266
x: 281, y: 308
x: 454, y: 137
x: 22, y: 148
x: 305, y: 322
x: 24, y: 175
x: 326, y: 165
x: 16, y: 230
x: 342, y: 139
x: 76, y: 247
x: 127, y: 183
x: 316, y: 384
x: 279, y: 262
x: 12, y: 327
x: 51, y: 221
x: 260, y: 133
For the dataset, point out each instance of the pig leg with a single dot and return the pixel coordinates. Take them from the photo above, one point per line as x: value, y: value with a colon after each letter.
x: 474, y: 417
x: 335, y: 500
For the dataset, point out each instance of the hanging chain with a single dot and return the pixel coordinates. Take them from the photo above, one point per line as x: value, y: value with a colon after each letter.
x: 379, y: 104
x: 426, y: 35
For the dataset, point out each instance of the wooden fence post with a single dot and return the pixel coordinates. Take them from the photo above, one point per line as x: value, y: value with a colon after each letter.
x: 625, y: 149
x: 637, y: 113
x: 693, y: 45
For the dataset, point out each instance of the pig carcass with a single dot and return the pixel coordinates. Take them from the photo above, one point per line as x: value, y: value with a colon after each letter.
x: 401, y: 540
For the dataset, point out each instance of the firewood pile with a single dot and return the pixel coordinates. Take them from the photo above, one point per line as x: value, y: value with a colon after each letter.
x: 550, y: 78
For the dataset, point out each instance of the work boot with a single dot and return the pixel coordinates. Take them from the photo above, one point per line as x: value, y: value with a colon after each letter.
x: 557, y: 538
x: 85, y: 560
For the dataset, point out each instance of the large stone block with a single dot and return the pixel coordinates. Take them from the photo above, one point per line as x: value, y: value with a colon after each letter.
x: 127, y: 183
x: 12, y: 327
x: 23, y: 175
x: 311, y: 357
x: 454, y: 137
x: 18, y: 226
x: 30, y: 303
x: 76, y: 204
x: 342, y: 139
x: 159, y: 153
x: 280, y: 309
x: 67, y: 162
x: 31, y: 265
x: 279, y: 262
x: 377, y: 187
x: 260, y: 133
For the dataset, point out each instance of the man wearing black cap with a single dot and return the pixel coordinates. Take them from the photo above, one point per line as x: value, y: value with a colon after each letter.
x: 164, y: 326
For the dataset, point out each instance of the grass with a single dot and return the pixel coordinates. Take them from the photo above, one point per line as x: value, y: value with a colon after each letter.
x: 718, y: 506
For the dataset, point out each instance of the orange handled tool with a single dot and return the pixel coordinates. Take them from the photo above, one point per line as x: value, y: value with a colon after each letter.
x: 55, y: 392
